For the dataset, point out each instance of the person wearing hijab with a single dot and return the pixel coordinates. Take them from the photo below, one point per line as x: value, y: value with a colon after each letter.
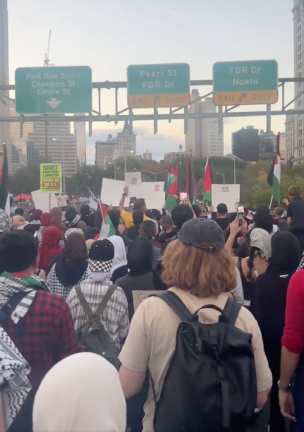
x: 80, y: 393
x: 141, y: 276
x: 35, y: 217
x: 120, y: 263
x: 56, y: 219
x: 49, y: 247
x: 73, y: 269
x: 45, y: 222
x: 268, y: 307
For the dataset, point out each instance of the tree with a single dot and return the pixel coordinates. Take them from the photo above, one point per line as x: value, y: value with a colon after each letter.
x: 26, y: 180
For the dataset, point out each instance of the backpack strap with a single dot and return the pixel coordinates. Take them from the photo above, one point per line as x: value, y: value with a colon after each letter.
x: 105, y: 300
x: 231, y: 311
x: 175, y: 303
x: 84, y: 303
x: 11, y: 304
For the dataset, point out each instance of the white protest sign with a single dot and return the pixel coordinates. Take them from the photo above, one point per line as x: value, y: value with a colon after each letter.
x: 133, y: 181
x: 228, y: 194
x: 154, y: 194
x: 42, y: 201
x: 111, y: 192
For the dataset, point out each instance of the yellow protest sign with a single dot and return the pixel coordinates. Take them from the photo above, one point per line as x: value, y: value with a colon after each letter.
x: 50, y: 178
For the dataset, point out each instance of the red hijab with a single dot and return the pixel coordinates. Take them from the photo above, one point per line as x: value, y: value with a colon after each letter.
x: 49, y: 247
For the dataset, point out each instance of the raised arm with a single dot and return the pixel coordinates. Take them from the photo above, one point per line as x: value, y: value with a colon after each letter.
x: 123, y: 198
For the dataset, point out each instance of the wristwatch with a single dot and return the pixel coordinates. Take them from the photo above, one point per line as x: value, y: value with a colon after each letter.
x: 124, y: 194
x: 283, y: 388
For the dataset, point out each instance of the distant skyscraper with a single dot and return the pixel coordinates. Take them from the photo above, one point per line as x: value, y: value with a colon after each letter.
x: 4, y: 79
x: 61, y: 145
x: 80, y: 137
x: 295, y: 147
x: 246, y: 144
x: 104, y: 151
x: 290, y: 135
x: 147, y: 155
x: 19, y: 159
x: 202, y: 138
x: 126, y: 142
x: 28, y: 128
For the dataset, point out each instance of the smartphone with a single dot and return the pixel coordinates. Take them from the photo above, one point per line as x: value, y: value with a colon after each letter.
x: 240, y: 215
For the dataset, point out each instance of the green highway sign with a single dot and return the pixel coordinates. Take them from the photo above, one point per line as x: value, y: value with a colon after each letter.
x: 158, y: 86
x: 54, y: 90
x: 245, y: 82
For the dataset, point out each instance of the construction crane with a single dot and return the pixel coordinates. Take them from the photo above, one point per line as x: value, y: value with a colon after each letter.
x: 47, y: 54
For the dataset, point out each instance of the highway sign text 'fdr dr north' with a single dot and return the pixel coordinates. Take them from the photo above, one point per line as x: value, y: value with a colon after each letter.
x: 245, y: 82
x: 162, y: 85
x: 58, y: 90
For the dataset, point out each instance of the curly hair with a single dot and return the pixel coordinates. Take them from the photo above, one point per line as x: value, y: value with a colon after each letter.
x: 192, y: 269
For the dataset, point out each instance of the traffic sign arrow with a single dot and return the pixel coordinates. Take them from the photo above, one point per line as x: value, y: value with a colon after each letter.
x: 53, y: 103
x: 243, y: 96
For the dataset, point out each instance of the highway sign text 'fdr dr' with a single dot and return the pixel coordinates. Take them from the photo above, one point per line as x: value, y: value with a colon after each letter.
x: 58, y: 90
x: 245, y: 82
x: 162, y: 85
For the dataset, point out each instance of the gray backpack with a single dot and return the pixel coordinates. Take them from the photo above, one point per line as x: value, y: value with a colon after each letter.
x: 92, y: 335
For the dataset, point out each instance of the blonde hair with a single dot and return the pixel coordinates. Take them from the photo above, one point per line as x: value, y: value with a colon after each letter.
x: 202, y: 273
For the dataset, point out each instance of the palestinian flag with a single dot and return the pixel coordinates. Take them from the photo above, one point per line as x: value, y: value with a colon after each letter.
x: 207, y: 183
x: 274, y: 176
x: 172, y: 190
x: 190, y: 186
x: 107, y: 228
x: 4, y: 190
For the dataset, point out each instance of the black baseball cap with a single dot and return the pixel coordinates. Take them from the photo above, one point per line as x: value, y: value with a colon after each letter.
x: 101, y: 256
x: 204, y: 234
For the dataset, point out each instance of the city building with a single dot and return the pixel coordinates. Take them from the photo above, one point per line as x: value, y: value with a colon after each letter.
x: 267, y: 145
x: 19, y: 159
x: 170, y: 157
x: 203, y: 138
x: 147, y: 155
x: 126, y: 142
x: 61, y: 145
x: 104, y: 151
x: 290, y: 135
x: 28, y: 128
x: 33, y: 155
x: 4, y: 80
x: 124, y: 145
x: 246, y: 144
x: 298, y: 141
x: 283, y: 147
x: 80, y: 138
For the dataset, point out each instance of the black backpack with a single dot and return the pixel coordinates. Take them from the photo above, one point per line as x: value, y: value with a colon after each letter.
x: 210, y: 385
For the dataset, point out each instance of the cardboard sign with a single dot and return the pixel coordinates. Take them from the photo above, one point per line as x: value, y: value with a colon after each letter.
x: 50, y: 178
x: 139, y: 296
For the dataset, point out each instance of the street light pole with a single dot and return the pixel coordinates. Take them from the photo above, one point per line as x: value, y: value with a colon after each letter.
x: 234, y: 172
x: 155, y: 174
x: 218, y: 173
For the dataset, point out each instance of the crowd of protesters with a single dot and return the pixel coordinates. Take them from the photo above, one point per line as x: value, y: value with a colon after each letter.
x: 96, y: 333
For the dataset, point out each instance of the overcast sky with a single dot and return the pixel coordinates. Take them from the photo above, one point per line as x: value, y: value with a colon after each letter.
x: 109, y: 35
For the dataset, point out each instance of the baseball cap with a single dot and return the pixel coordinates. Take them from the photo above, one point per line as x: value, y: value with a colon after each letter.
x: 204, y: 234
x: 261, y: 239
x: 101, y: 256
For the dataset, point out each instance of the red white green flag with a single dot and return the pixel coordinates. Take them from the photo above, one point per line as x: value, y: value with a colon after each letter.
x: 107, y: 228
x: 172, y: 190
x: 207, y: 183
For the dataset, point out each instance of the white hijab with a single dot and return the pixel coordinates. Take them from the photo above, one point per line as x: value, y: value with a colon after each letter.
x: 120, y: 255
x: 80, y: 393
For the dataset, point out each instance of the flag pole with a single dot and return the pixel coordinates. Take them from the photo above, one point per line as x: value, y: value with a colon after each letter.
x: 271, y: 200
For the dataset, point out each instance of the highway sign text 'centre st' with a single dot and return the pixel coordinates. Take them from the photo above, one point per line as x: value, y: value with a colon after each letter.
x: 58, y: 90
x: 162, y: 85
x: 245, y: 82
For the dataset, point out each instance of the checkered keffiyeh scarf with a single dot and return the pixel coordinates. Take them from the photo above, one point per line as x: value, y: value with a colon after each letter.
x: 5, y: 222
x: 301, y: 265
x: 10, y: 286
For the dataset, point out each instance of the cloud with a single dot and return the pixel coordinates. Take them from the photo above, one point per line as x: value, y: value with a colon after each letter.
x: 158, y: 144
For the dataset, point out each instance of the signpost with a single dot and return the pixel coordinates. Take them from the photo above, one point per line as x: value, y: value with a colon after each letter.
x: 54, y: 90
x: 245, y: 82
x: 50, y: 178
x: 158, y: 86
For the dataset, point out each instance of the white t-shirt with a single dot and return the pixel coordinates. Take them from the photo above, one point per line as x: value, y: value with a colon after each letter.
x: 63, y: 200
